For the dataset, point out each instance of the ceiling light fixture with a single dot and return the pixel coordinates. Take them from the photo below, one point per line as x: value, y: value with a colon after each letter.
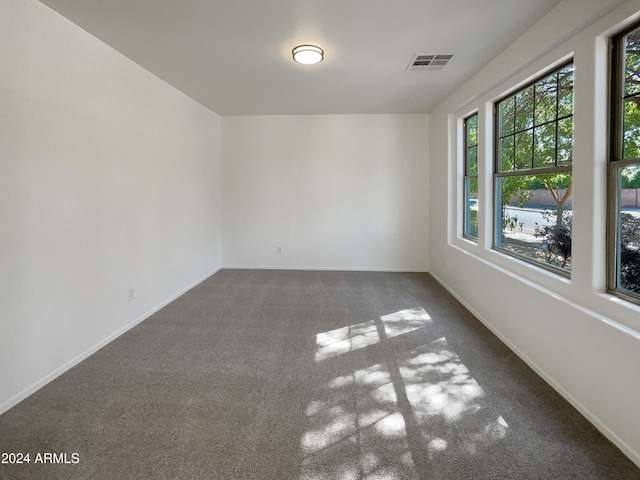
x: 307, y: 54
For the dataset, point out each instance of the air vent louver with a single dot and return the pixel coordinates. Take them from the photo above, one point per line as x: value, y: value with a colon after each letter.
x: 428, y: 62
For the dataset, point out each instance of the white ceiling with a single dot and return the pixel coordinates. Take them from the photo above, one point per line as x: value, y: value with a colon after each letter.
x: 234, y: 56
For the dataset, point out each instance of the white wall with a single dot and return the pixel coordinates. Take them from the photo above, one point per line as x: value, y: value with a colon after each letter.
x: 585, y: 342
x: 333, y: 191
x: 109, y: 181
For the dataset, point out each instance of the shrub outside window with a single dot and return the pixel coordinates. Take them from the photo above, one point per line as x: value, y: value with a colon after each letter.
x: 624, y: 167
x: 533, y: 185
x: 470, y: 215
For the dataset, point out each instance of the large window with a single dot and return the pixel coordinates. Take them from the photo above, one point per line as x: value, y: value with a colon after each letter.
x: 534, y: 154
x: 624, y: 167
x: 470, y: 216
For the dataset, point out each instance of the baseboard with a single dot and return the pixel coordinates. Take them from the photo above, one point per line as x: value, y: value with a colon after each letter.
x: 333, y: 269
x: 11, y: 402
x: 621, y: 444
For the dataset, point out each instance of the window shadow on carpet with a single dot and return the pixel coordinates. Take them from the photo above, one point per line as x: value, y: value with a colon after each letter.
x: 395, y: 418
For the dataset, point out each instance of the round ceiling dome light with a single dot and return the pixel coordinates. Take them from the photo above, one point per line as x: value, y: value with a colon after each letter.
x: 307, y: 54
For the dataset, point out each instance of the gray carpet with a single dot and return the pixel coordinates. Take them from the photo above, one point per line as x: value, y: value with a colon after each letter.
x: 307, y: 375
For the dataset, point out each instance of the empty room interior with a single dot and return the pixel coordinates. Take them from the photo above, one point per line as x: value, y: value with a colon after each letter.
x: 320, y: 239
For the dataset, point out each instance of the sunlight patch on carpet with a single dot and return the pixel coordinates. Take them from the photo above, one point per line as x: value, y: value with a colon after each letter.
x: 383, y: 420
x: 354, y: 337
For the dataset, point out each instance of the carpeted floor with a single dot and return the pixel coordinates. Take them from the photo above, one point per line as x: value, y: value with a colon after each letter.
x: 307, y: 375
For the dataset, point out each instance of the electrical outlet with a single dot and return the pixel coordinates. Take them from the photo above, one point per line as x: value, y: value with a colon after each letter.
x: 278, y: 250
x: 131, y: 293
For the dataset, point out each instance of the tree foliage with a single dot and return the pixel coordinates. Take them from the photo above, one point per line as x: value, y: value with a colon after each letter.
x: 630, y: 177
x: 554, y: 187
x: 513, y: 188
x: 631, y: 120
x: 630, y: 252
x: 556, y: 240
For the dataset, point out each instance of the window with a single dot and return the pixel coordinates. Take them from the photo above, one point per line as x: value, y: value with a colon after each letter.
x: 470, y: 214
x: 624, y: 166
x: 534, y: 154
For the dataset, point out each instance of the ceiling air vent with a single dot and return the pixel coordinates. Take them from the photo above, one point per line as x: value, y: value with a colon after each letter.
x: 428, y: 62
